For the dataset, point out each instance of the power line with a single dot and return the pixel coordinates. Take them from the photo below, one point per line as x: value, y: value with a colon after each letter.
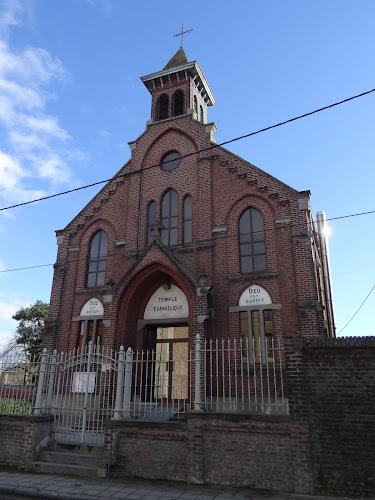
x: 214, y: 146
x: 368, y: 295
x: 226, y: 236
x: 23, y: 268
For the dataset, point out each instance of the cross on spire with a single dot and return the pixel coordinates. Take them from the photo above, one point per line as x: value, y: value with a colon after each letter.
x: 182, y: 35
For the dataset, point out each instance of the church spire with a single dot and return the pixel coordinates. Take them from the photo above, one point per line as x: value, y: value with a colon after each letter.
x: 179, y: 59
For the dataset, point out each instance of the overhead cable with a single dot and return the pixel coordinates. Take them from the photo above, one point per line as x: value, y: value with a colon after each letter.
x: 127, y: 174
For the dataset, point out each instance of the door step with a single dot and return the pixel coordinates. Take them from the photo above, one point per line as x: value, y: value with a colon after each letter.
x: 72, y: 459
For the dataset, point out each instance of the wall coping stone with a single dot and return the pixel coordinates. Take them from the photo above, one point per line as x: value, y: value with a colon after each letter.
x: 146, y: 424
x: 197, y: 416
x: 236, y: 416
x: 322, y: 342
x: 28, y: 418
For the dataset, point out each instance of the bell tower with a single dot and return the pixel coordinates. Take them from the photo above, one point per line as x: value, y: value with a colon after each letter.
x: 179, y: 89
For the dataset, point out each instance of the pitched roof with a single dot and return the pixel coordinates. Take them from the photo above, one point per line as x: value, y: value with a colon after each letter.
x: 179, y: 59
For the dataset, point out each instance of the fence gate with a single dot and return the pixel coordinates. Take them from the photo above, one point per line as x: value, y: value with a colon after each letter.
x: 84, y: 394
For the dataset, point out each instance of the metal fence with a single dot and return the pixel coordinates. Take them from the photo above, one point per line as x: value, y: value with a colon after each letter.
x: 85, y: 387
x: 18, y: 377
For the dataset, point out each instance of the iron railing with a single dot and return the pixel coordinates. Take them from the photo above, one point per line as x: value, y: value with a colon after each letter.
x: 18, y: 377
x: 85, y: 387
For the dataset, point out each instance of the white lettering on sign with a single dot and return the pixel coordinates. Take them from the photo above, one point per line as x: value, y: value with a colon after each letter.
x: 93, y: 307
x: 171, y: 303
x: 254, y: 295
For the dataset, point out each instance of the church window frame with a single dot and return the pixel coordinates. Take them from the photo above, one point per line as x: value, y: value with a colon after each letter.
x: 257, y: 335
x: 97, y: 259
x: 91, y: 325
x: 201, y: 115
x: 169, y: 218
x: 252, y: 248
x: 178, y: 101
x: 162, y: 108
x: 188, y: 220
x: 90, y: 330
x: 170, y: 161
x: 256, y: 325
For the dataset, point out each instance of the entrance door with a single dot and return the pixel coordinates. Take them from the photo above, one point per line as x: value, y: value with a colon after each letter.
x: 166, y: 370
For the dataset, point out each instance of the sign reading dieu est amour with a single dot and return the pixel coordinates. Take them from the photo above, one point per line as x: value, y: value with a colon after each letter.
x: 167, y: 303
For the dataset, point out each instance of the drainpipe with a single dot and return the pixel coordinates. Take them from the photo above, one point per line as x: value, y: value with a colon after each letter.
x: 321, y: 223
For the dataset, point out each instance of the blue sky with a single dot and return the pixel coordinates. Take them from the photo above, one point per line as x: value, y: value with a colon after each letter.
x: 71, y: 99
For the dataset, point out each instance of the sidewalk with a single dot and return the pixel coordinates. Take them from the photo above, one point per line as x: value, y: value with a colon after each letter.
x: 24, y: 484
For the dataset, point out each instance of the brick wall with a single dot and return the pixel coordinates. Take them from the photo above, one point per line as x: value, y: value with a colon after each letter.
x: 340, y: 378
x: 232, y: 450
x: 21, y: 438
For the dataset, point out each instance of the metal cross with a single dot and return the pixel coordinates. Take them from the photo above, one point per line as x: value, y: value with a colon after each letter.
x: 182, y: 35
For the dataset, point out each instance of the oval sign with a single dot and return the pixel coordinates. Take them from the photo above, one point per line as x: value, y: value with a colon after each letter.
x: 93, y: 307
x: 170, y: 303
x: 254, y: 295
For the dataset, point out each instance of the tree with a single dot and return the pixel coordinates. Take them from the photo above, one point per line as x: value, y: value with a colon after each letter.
x: 30, y: 329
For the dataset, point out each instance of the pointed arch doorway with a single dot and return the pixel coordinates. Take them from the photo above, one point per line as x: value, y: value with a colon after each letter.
x: 165, y: 342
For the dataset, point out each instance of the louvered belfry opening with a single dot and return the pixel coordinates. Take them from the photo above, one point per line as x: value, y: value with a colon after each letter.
x: 162, y: 108
x: 178, y: 103
x: 195, y: 104
x: 201, y: 113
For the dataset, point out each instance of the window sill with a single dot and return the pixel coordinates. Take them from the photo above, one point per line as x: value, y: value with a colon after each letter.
x: 273, y: 273
x: 95, y: 289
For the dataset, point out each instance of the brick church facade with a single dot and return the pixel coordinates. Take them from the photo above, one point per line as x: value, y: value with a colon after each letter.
x: 189, y: 237
x: 214, y: 277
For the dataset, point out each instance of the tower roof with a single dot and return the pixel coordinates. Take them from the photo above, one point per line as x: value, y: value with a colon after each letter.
x: 179, y: 59
x: 180, y: 65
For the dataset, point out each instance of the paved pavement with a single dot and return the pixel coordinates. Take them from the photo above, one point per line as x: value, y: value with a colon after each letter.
x: 24, y: 485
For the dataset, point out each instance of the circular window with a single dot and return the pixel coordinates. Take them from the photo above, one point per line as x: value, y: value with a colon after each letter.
x: 170, y: 161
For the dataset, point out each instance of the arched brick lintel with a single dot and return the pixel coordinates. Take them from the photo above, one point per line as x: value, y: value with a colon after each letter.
x: 136, y: 295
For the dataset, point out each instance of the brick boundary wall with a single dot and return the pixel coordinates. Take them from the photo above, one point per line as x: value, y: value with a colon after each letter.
x: 233, y: 450
x: 22, y: 437
x: 340, y: 386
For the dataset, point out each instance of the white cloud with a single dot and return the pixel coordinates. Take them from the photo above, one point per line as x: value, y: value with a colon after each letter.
x: 9, y: 16
x: 104, y: 5
x: 33, y: 143
x: 11, y: 175
x: 7, y: 324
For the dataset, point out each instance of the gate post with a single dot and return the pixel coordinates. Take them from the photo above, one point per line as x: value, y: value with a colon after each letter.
x: 39, y: 392
x: 119, y: 386
x: 128, y: 381
x: 197, y: 395
x: 51, y: 380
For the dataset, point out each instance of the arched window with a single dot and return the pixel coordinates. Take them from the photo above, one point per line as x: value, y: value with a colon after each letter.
x: 196, y: 105
x: 201, y: 114
x: 169, y: 218
x: 151, y: 219
x: 178, y: 103
x: 162, y: 107
x: 188, y: 220
x: 97, y: 259
x: 91, y: 327
x: 252, y: 247
x: 256, y: 324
